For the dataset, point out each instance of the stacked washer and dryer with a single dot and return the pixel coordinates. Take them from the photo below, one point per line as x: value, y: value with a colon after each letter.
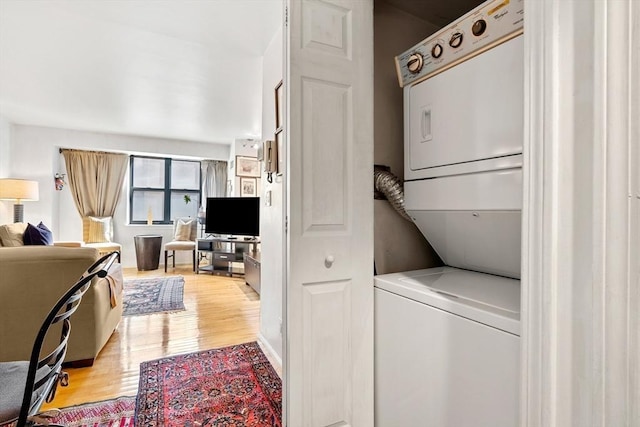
x: 447, y: 350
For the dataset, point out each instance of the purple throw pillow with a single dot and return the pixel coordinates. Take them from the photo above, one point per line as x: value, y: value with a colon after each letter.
x: 37, y: 235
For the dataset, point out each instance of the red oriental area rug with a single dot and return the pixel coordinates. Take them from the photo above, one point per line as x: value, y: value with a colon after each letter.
x: 231, y: 386
x: 107, y: 413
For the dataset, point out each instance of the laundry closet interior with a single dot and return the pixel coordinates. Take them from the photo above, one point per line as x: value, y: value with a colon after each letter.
x: 448, y: 122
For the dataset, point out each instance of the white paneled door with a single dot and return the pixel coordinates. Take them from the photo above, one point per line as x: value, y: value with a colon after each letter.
x: 329, y: 137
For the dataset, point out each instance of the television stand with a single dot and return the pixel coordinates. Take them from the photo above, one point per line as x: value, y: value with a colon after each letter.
x: 223, y: 252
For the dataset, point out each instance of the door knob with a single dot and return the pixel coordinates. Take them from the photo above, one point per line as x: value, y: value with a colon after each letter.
x: 328, y: 261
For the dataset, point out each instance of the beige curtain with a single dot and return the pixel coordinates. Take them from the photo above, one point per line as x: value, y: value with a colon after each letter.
x: 214, y: 179
x: 95, y: 179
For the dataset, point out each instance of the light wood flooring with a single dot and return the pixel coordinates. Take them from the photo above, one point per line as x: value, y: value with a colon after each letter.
x: 220, y: 311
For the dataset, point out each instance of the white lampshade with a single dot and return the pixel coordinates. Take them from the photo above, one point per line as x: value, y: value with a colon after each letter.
x: 18, y: 189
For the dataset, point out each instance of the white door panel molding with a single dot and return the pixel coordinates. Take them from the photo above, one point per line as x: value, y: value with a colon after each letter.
x: 581, y: 220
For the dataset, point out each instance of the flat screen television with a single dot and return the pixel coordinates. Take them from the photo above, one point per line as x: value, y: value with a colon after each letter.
x: 235, y: 216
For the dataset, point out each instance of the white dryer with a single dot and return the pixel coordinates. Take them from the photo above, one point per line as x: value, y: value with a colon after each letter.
x: 447, y: 339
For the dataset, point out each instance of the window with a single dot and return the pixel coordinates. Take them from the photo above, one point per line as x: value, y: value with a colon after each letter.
x: 163, y: 189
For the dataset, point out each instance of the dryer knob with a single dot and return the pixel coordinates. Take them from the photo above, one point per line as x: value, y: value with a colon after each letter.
x: 414, y: 64
x: 456, y: 40
x: 436, y: 51
x: 479, y: 27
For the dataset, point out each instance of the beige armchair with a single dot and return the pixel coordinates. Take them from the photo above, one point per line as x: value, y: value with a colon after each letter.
x: 185, y: 231
x: 97, y: 232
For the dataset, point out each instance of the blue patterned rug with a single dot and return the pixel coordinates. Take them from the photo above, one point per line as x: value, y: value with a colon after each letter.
x: 153, y: 295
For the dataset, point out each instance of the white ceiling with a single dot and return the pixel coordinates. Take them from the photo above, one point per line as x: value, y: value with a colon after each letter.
x: 183, y: 69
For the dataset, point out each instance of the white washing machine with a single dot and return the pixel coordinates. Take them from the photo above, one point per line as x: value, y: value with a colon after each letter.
x: 447, y: 349
x: 447, y: 339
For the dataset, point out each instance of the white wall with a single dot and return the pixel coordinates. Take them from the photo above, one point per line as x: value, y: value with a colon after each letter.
x: 5, y: 147
x: 271, y: 217
x: 6, y: 207
x: 398, y: 244
x: 35, y: 155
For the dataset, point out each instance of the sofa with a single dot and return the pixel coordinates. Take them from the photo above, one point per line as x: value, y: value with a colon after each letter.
x: 32, y: 279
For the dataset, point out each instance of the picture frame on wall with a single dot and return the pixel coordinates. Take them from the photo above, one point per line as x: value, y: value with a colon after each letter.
x: 247, y: 167
x: 280, y: 151
x: 248, y: 187
x: 279, y: 90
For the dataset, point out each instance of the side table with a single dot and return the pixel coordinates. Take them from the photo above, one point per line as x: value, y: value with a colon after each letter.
x: 148, y: 248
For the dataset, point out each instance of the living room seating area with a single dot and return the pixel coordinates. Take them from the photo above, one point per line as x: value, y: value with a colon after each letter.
x: 27, y: 384
x: 220, y: 311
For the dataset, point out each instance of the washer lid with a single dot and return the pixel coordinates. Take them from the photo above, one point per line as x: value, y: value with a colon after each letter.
x: 485, y: 298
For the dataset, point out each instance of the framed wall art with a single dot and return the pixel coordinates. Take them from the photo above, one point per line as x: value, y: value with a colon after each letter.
x: 248, y: 187
x: 247, y: 166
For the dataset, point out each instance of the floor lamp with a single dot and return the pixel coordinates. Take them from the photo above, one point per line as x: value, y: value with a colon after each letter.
x: 18, y: 190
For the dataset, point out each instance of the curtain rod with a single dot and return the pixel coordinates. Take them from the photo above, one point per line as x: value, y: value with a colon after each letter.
x: 60, y: 150
x: 92, y: 151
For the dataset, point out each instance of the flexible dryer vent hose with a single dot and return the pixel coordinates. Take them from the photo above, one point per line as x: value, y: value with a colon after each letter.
x: 391, y: 187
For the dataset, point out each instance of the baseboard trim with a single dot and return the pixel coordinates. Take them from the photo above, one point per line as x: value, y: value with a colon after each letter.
x: 271, y: 354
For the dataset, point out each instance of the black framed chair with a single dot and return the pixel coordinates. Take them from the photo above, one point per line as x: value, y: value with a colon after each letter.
x: 26, y: 385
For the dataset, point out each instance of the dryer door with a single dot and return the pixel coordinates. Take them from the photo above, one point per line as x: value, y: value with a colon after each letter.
x: 471, y: 112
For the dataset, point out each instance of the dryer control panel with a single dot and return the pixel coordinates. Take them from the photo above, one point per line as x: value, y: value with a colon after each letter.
x: 486, y: 26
